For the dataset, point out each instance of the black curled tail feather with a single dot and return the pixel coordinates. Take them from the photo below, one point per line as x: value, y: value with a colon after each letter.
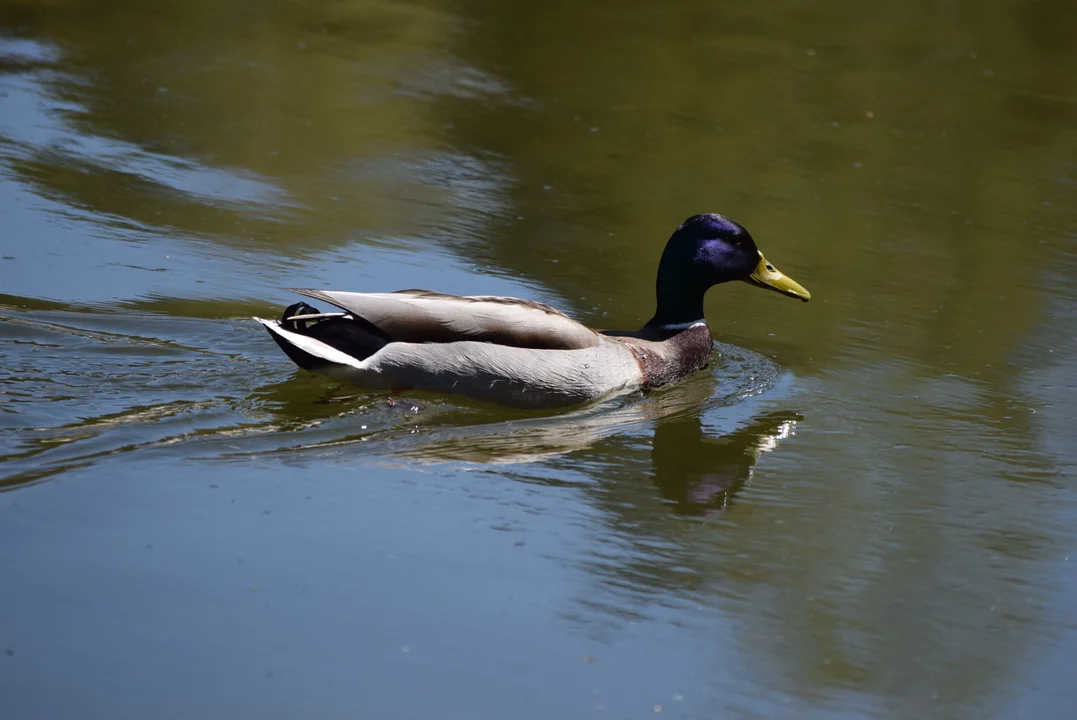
x: 299, y: 308
x: 351, y: 335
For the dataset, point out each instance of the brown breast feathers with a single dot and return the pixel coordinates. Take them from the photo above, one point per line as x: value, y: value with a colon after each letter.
x: 663, y: 362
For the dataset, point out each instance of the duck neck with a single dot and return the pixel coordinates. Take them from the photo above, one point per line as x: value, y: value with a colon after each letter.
x: 680, y: 305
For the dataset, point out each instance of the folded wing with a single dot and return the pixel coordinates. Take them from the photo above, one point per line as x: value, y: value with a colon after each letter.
x: 424, y: 316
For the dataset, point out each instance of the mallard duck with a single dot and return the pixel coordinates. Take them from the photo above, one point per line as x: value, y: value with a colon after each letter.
x: 521, y: 353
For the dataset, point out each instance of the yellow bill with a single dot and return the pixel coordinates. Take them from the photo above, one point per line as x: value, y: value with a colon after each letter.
x: 767, y: 276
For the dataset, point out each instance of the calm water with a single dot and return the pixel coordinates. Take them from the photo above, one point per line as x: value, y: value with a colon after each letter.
x: 865, y: 509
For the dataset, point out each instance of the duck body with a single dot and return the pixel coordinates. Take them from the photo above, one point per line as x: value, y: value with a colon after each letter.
x: 496, y: 349
x: 517, y: 352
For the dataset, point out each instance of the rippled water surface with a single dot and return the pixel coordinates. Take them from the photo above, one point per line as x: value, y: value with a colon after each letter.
x: 864, y: 508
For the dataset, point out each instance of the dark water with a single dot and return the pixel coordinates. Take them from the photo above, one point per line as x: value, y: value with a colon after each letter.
x: 865, y: 509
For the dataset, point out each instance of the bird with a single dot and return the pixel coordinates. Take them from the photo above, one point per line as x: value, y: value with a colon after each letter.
x: 523, y: 354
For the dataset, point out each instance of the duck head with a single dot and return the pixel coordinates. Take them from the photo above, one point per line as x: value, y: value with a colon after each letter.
x: 703, y: 251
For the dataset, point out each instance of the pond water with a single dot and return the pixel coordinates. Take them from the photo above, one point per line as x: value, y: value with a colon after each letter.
x: 865, y: 508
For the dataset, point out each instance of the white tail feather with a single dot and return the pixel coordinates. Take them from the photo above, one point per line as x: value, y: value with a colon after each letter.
x: 309, y: 345
x: 319, y: 316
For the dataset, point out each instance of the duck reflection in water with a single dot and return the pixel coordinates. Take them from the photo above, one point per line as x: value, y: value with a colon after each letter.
x: 700, y: 474
x: 703, y: 449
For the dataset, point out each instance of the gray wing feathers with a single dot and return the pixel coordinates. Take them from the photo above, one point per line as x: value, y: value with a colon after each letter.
x: 419, y: 316
x: 507, y: 375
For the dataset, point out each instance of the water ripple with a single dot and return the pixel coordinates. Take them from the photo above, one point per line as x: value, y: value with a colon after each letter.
x: 83, y: 385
